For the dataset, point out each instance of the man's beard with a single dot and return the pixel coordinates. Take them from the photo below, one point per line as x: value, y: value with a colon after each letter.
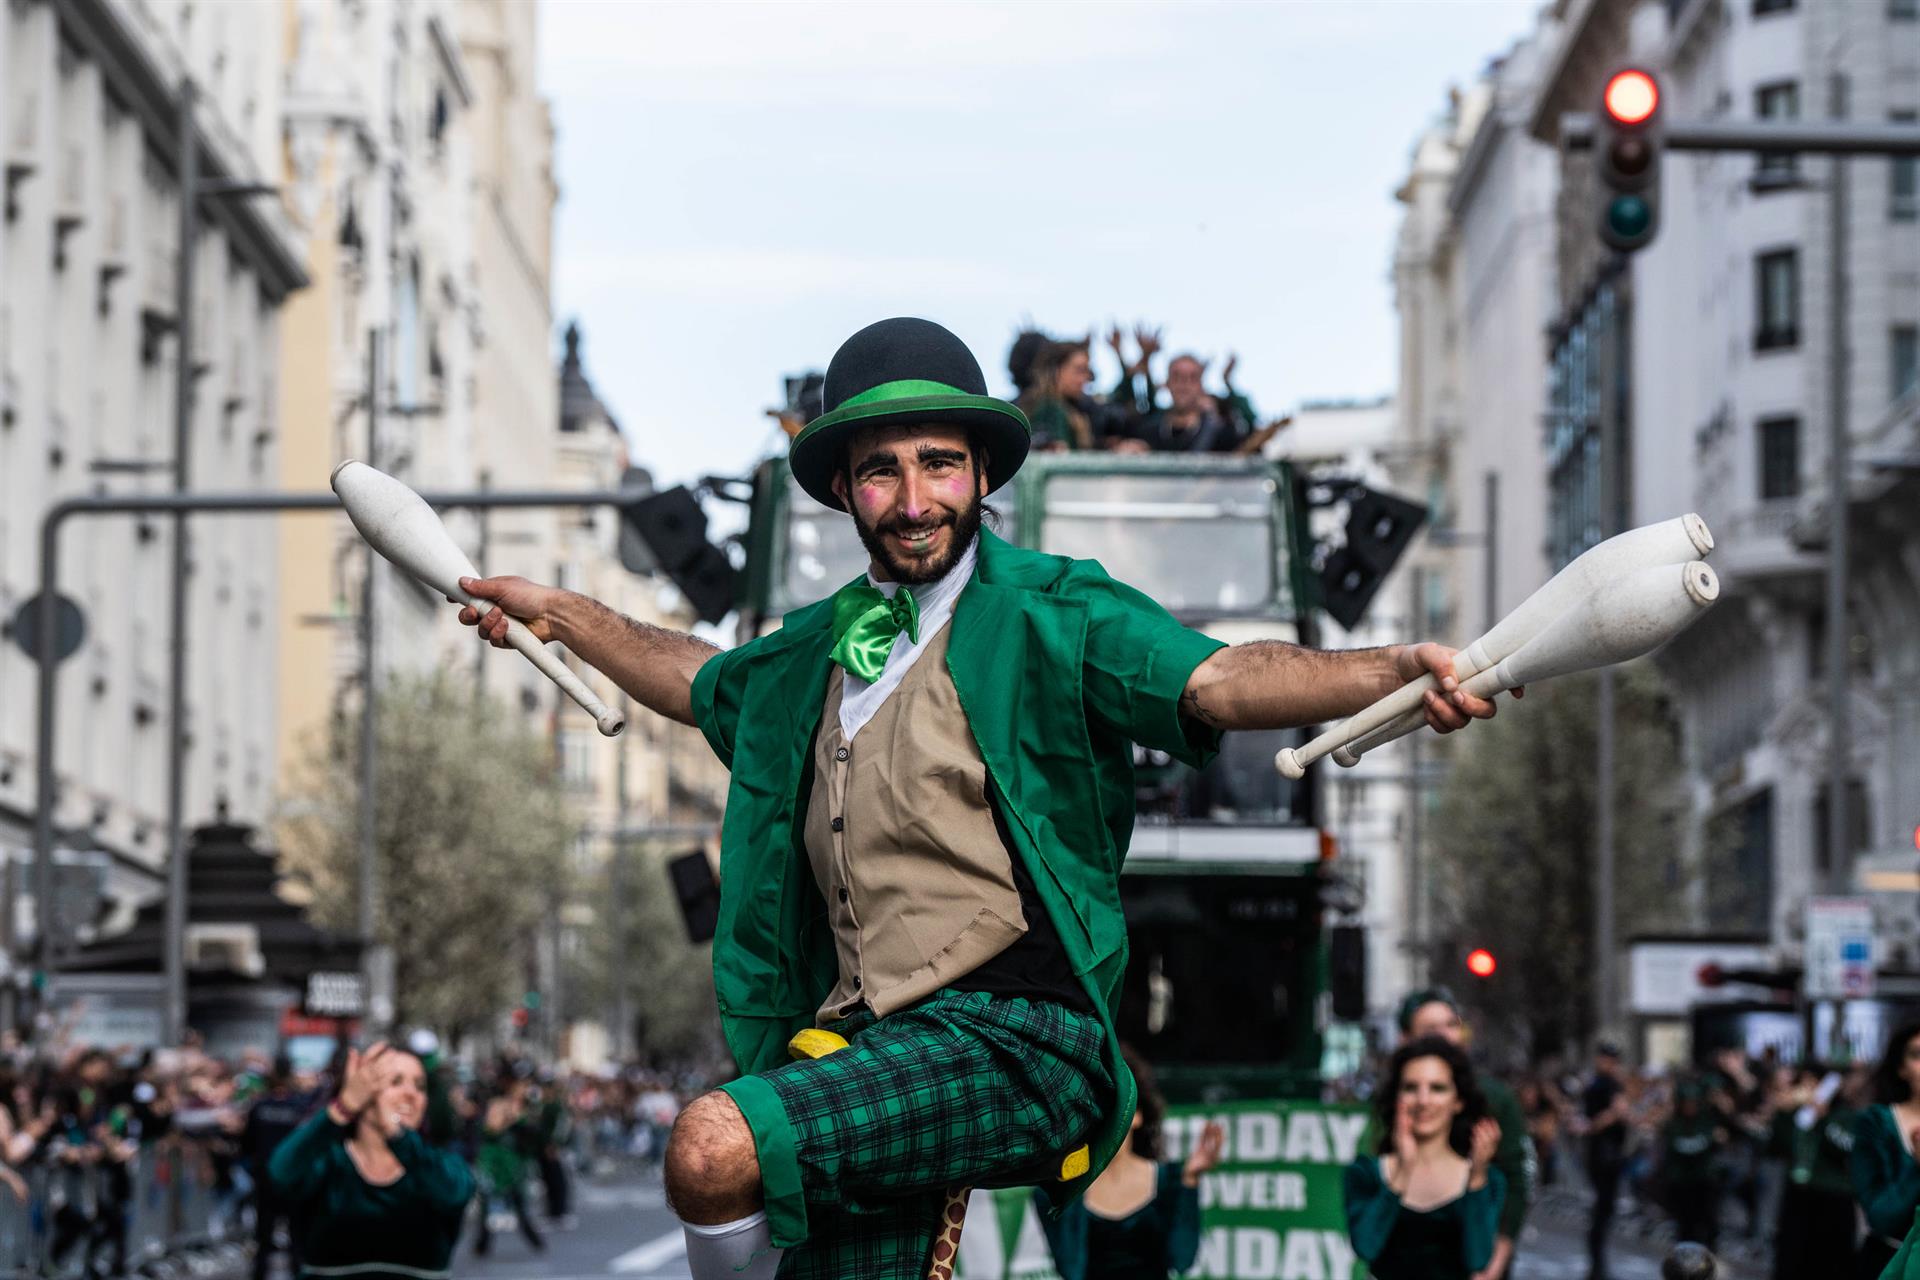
x: 922, y: 570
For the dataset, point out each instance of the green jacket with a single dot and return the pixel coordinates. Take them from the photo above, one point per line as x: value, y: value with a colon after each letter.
x: 355, y: 1229
x: 1060, y: 669
x: 1886, y: 1179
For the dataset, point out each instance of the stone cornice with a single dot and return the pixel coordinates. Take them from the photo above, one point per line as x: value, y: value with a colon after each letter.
x: 256, y: 227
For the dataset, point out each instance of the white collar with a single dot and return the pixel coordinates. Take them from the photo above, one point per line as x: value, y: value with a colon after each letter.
x: 937, y: 596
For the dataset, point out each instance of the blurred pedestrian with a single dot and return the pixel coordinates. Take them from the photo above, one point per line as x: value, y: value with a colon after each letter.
x: 1690, y: 1143
x: 1435, y: 1012
x: 271, y: 1119
x: 1140, y: 1220
x: 1063, y: 416
x: 1427, y: 1206
x: 1540, y: 1102
x: 507, y: 1136
x: 553, y: 1129
x: 377, y: 1201
x: 1193, y: 421
x: 1885, y: 1166
x: 1604, y: 1109
x: 1815, y: 1135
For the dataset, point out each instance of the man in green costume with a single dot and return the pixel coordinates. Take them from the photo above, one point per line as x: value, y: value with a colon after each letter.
x: 923, y: 857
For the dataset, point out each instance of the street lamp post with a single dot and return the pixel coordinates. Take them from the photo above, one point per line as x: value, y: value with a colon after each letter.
x: 371, y: 971
x: 175, y: 962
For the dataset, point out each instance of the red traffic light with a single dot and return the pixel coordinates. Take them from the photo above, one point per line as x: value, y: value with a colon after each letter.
x: 1480, y: 963
x: 1632, y: 97
x: 1709, y: 975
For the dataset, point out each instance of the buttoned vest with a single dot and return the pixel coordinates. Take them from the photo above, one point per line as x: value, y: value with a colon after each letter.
x: 918, y: 885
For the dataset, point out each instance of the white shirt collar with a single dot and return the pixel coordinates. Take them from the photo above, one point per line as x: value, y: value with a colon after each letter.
x: 939, y: 596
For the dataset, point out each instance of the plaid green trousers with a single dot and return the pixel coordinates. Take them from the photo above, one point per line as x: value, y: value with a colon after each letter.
x: 963, y: 1089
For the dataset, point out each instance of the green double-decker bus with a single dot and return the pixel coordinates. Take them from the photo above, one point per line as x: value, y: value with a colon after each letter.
x: 1226, y: 987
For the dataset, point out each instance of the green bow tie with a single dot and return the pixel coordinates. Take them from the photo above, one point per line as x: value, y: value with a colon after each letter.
x: 865, y: 624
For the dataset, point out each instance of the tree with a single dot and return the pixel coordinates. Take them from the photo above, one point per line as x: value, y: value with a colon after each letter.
x: 1513, y: 840
x: 675, y: 1020
x: 471, y: 837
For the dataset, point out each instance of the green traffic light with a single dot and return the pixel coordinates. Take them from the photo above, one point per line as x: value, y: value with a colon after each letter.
x: 1629, y: 217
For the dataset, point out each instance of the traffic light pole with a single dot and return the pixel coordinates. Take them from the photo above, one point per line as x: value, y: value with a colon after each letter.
x: 181, y: 505
x: 1820, y: 137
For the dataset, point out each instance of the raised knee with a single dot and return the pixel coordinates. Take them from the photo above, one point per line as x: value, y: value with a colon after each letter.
x: 712, y: 1171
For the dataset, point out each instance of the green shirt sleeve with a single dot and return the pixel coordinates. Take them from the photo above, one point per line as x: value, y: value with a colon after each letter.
x: 1886, y: 1180
x: 1480, y: 1219
x: 1138, y: 659
x: 1182, y: 1211
x: 1371, y: 1208
x: 298, y: 1165
x: 1514, y: 1159
x: 439, y: 1178
x: 717, y: 689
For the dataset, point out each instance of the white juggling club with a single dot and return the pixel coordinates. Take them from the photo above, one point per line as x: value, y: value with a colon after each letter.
x: 1681, y: 538
x: 1628, y: 616
x: 398, y: 523
x: 1668, y: 542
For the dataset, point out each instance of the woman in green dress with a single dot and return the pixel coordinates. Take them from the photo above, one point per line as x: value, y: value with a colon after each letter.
x: 1886, y: 1176
x: 376, y: 1201
x: 1140, y: 1220
x: 1427, y: 1206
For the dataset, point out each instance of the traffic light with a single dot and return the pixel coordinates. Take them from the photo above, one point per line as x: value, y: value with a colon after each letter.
x: 1379, y: 527
x: 1480, y: 963
x: 1627, y: 154
x: 671, y: 525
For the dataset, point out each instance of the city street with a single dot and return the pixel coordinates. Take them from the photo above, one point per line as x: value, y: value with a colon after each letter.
x: 625, y: 1230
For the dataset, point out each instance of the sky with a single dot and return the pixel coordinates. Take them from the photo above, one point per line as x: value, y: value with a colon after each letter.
x: 742, y: 186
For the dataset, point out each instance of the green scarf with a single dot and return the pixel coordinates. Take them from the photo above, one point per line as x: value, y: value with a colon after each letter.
x: 865, y: 625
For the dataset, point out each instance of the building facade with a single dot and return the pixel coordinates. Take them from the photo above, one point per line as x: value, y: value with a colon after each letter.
x: 91, y: 117
x: 1702, y: 374
x: 1472, y: 274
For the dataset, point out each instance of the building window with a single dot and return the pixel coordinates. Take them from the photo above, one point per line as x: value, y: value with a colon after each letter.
x: 1589, y: 405
x: 576, y: 760
x: 1779, y: 457
x: 1903, y: 10
x: 1903, y: 184
x: 1904, y: 358
x: 1777, y: 301
x: 1778, y: 101
x: 1761, y: 8
x: 1740, y: 881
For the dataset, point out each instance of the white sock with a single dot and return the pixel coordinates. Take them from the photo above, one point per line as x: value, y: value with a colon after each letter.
x: 740, y: 1250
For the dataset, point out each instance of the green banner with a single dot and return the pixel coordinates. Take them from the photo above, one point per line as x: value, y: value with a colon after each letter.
x: 1270, y: 1210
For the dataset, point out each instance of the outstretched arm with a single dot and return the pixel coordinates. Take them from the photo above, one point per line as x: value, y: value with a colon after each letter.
x: 1270, y: 684
x: 655, y: 665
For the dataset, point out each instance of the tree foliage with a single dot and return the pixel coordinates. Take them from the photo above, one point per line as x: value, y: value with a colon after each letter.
x: 675, y: 1021
x: 1513, y: 841
x: 471, y: 834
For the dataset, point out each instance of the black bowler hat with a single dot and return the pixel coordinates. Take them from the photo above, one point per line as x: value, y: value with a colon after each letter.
x: 896, y: 373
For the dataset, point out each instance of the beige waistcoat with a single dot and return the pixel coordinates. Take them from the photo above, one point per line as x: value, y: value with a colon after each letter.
x: 919, y: 887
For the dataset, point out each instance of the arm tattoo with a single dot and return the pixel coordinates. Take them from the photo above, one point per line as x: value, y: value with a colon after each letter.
x: 1194, y: 707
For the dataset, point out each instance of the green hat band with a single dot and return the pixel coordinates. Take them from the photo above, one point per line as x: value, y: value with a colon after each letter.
x: 903, y: 389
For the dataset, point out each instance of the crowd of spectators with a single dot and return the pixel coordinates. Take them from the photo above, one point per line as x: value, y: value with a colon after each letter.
x: 1052, y: 377
x: 107, y: 1155
x: 1755, y: 1154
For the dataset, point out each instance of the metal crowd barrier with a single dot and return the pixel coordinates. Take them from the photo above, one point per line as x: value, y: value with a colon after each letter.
x: 161, y: 1217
